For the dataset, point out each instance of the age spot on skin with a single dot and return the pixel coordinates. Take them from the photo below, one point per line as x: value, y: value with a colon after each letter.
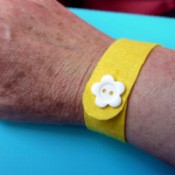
x: 59, y: 37
x: 50, y: 72
x: 32, y: 18
x: 21, y: 74
x: 40, y: 61
x: 41, y: 35
x: 14, y: 81
x: 30, y: 27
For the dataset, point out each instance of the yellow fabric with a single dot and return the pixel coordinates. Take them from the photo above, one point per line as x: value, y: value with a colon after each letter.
x: 113, y: 127
x: 123, y: 60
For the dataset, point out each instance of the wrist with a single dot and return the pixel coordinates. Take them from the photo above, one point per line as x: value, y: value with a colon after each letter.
x: 150, y: 115
x: 88, y: 64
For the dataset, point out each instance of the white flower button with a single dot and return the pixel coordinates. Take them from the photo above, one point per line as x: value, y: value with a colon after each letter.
x: 108, y: 92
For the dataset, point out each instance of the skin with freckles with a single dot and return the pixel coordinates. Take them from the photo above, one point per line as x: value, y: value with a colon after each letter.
x: 47, y: 55
x: 151, y: 110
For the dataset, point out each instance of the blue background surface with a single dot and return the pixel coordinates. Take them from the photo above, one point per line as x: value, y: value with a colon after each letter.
x: 28, y: 149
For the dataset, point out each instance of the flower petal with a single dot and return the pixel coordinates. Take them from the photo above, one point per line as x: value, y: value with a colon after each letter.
x: 116, y: 102
x: 100, y: 103
x: 107, y: 79
x: 95, y: 88
x: 120, y: 87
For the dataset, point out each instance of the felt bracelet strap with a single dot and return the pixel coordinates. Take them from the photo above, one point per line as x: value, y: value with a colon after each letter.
x: 118, y: 69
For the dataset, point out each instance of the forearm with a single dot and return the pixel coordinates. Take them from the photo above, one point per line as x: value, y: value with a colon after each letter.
x: 45, y: 61
x: 151, y: 117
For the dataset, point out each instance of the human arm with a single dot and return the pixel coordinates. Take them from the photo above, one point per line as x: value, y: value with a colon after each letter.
x: 49, y: 57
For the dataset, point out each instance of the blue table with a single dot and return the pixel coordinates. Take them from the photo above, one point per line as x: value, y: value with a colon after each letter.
x: 29, y: 149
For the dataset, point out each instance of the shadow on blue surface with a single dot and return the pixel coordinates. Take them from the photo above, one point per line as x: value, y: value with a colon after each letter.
x: 31, y: 149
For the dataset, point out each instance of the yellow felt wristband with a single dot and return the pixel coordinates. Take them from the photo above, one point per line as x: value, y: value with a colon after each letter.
x: 123, y: 61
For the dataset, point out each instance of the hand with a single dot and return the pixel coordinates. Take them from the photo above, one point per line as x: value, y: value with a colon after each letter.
x: 46, y: 56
